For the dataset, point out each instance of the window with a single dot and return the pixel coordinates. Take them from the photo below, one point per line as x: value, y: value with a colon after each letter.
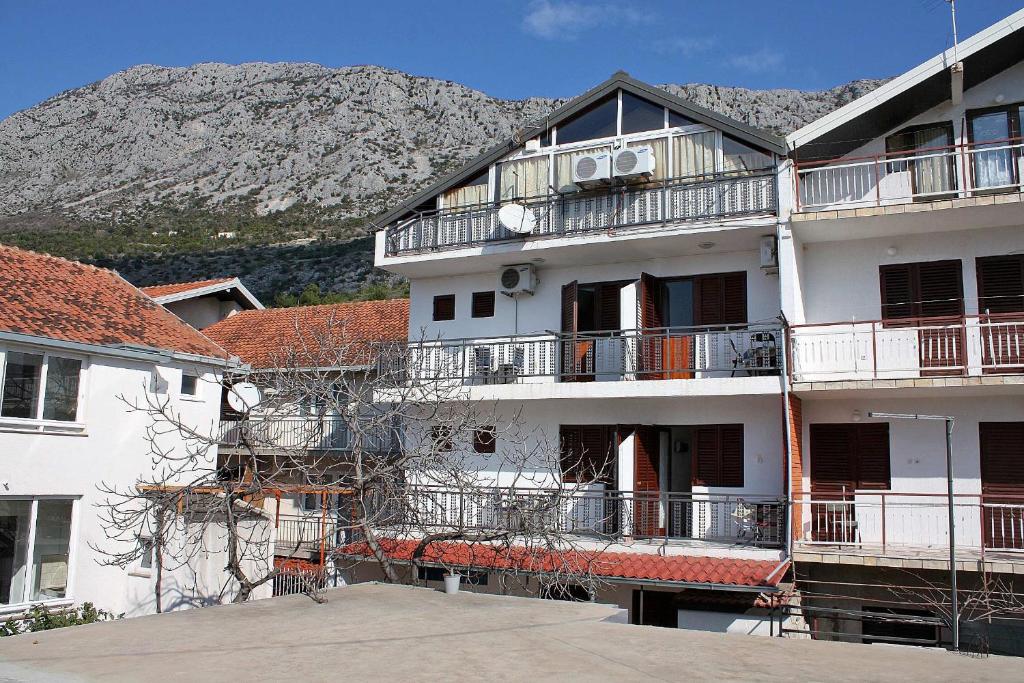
x: 483, y: 305
x: 189, y: 384
x: 1001, y: 284
x: 849, y: 456
x: 523, y: 178
x: 994, y: 164
x: 740, y: 157
x: 310, y: 502
x: 34, y: 562
x: 921, y: 290
x: 718, y: 455
x: 931, y: 173
x: 599, y: 120
x: 444, y: 307
x: 588, y: 452
x: 441, y: 439
x: 146, y: 547
x: 639, y: 115
x: 40, y: 386
x: 473, y: 192
x: 484, y: 440
x: 677, y: 120
x: 693, y: 155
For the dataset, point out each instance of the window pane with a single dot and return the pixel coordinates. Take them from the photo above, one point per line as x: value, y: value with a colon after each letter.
x: 21, y: 384
x: 596, y: 122
x: 188, y: 384
x: 676, y: 120
x: 60, y: 402
x: 741, y: 157
x: 992, y: 167
x: 639, y: 115
x: 523, y: 178
x: 50, y: 554
x: 15, y: 516
x: 693, y: 155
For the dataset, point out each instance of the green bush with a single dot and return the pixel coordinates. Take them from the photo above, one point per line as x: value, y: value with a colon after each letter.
x: 40, y: 618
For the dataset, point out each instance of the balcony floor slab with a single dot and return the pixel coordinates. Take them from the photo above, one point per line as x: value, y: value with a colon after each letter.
x: 909, y: 557
x: 669, y: 388
x: 984, y: 385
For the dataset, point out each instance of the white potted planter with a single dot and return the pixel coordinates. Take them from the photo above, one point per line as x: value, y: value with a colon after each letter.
x: 451, y: 583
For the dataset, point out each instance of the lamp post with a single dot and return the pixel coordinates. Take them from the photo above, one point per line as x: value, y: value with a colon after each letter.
x: 955, y: 606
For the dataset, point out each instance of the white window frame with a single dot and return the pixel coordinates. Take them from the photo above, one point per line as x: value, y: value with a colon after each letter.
x: 181, y: 386
x: 69, y: 594
x: 37, y: 423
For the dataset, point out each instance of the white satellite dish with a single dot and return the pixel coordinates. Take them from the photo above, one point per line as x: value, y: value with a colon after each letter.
x: 243, y: 396
x: 517, y: 218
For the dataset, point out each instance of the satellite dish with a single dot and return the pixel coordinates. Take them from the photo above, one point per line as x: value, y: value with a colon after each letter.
x: 517, y: 218
x: 243, y: 396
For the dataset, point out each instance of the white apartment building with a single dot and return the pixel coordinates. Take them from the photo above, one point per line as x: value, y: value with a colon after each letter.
x: 76, y: 342
x: 719, y: 311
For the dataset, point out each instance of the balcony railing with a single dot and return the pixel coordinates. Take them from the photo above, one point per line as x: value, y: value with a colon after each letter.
x: 908, y: 349
x: 621, y: 355
x: 677, y: 200
x: 605, y: 514
x: 302, y: 433
x: 948, y: 172
x: 889, y: 520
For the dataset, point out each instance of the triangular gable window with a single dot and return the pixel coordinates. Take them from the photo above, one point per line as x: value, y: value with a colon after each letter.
x: 639, y: 115
x: 599, y: 120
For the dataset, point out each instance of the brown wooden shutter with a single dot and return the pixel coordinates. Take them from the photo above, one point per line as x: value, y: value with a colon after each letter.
x: 595, y: 441
x: 1000, y: 284
x: 569, y: 308
x: 444, y: 307
x: 734, y: 298
x: 872, y: 455
x: 483, y: 305
x: 648, y: 312
x: 570, y: 450
x: 941, y: 288
x: 832, y: 457
x: 647, y: 456
x: 1002, y: 457
x: 705, y: 456
x: 484, y: 440
x: 898, y: 291
x: 570, y: 323
x: 731, y: 445
x: 720, y: 299
x: 609, y: 304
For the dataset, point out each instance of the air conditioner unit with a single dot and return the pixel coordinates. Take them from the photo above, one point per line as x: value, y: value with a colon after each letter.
x: 518, y: 279
x: 633, y: 162
x: 769, y: 254
x: 592, y: 169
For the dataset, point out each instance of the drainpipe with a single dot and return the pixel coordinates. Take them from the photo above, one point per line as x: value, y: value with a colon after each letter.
x: 787, y: 417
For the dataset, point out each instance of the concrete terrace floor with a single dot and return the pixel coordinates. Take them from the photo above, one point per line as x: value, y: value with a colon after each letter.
x: 402, y: 633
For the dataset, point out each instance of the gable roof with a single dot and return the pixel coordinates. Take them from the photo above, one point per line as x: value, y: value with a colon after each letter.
x: 179, y: 291
x: 54, y: 298
x: 274, y: 336
x: 618, y: 80
x: 927, y: 85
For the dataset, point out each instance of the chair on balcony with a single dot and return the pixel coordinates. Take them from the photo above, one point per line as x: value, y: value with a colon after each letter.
x: 761, y: 357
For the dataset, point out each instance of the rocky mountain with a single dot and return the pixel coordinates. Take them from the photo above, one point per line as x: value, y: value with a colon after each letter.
x: 151, y: 163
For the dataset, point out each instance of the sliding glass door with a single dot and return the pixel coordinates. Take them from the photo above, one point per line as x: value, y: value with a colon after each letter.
x: 35, y: 549
x: 994, y: 156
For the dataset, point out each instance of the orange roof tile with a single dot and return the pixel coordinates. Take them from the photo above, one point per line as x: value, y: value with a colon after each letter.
x: 178, y: 287
x: 46, y: 296
x: 276, y: 336
x: 640, y: 566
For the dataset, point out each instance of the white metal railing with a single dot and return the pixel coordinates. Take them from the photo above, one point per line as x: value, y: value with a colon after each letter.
x: 300, y: 433
x: 890, y: 520
x: 707, y: 197
x: 621, y: 355
x: 901, y: 177
x: 908, y: 349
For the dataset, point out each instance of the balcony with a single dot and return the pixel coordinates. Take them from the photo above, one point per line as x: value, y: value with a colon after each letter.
x: 956, y: 172
x: 915, y: 525
x: 326, y: 433
x: 677, y: 200
x: 899, y: 350
x: 614, y: 356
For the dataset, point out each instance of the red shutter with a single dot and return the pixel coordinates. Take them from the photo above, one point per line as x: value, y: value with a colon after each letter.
x: 646, y: 482
x: 872, y: 455
x: 1001, y: 284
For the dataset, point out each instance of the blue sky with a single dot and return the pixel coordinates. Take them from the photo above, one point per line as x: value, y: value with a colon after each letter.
x: 507, y: 48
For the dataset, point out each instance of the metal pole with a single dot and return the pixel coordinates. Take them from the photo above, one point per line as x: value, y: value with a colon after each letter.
x: 955, y: 607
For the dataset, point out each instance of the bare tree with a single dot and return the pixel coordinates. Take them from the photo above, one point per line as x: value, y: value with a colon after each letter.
x: 391, y: 440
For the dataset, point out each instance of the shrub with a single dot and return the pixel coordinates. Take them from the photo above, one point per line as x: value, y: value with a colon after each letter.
x: 40, y: 618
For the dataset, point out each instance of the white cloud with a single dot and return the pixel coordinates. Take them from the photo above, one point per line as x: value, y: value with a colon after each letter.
x: 552, y: 19
x: 763, y: 60
x: 688, y: 46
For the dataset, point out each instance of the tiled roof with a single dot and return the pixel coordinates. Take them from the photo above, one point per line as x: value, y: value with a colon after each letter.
x: 46, y: 296
x: 302, y: 336
x: 156, y: 291
x: 611, y: 565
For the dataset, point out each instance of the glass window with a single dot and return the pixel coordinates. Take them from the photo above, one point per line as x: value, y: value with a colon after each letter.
x: 60, y: 401
x: 677, y: 120
x: 21, y: 384
x: 15, y: 518
x: 473, y: 192
x: 678, y: 303
x: 146, y: 553
x: 639, y: 114
x: 189, y: 384
x: 50, y: 554
x: 994, y: 162
x: 523, y: 178
x: 693, y: 155
x: 738, y: 156
x: 599, y: 120
x: 310, y: 502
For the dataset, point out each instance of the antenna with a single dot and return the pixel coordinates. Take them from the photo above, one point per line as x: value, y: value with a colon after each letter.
x: 952, y: 11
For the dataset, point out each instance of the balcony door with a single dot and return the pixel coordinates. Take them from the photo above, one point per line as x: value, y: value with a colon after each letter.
x: 929, y: 161
x: 591, y: 325
x: 1001, y: 310
x: 1002, y: 483
x: 995, y: 144
x: 845, y: 458
x: 927, y: 296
